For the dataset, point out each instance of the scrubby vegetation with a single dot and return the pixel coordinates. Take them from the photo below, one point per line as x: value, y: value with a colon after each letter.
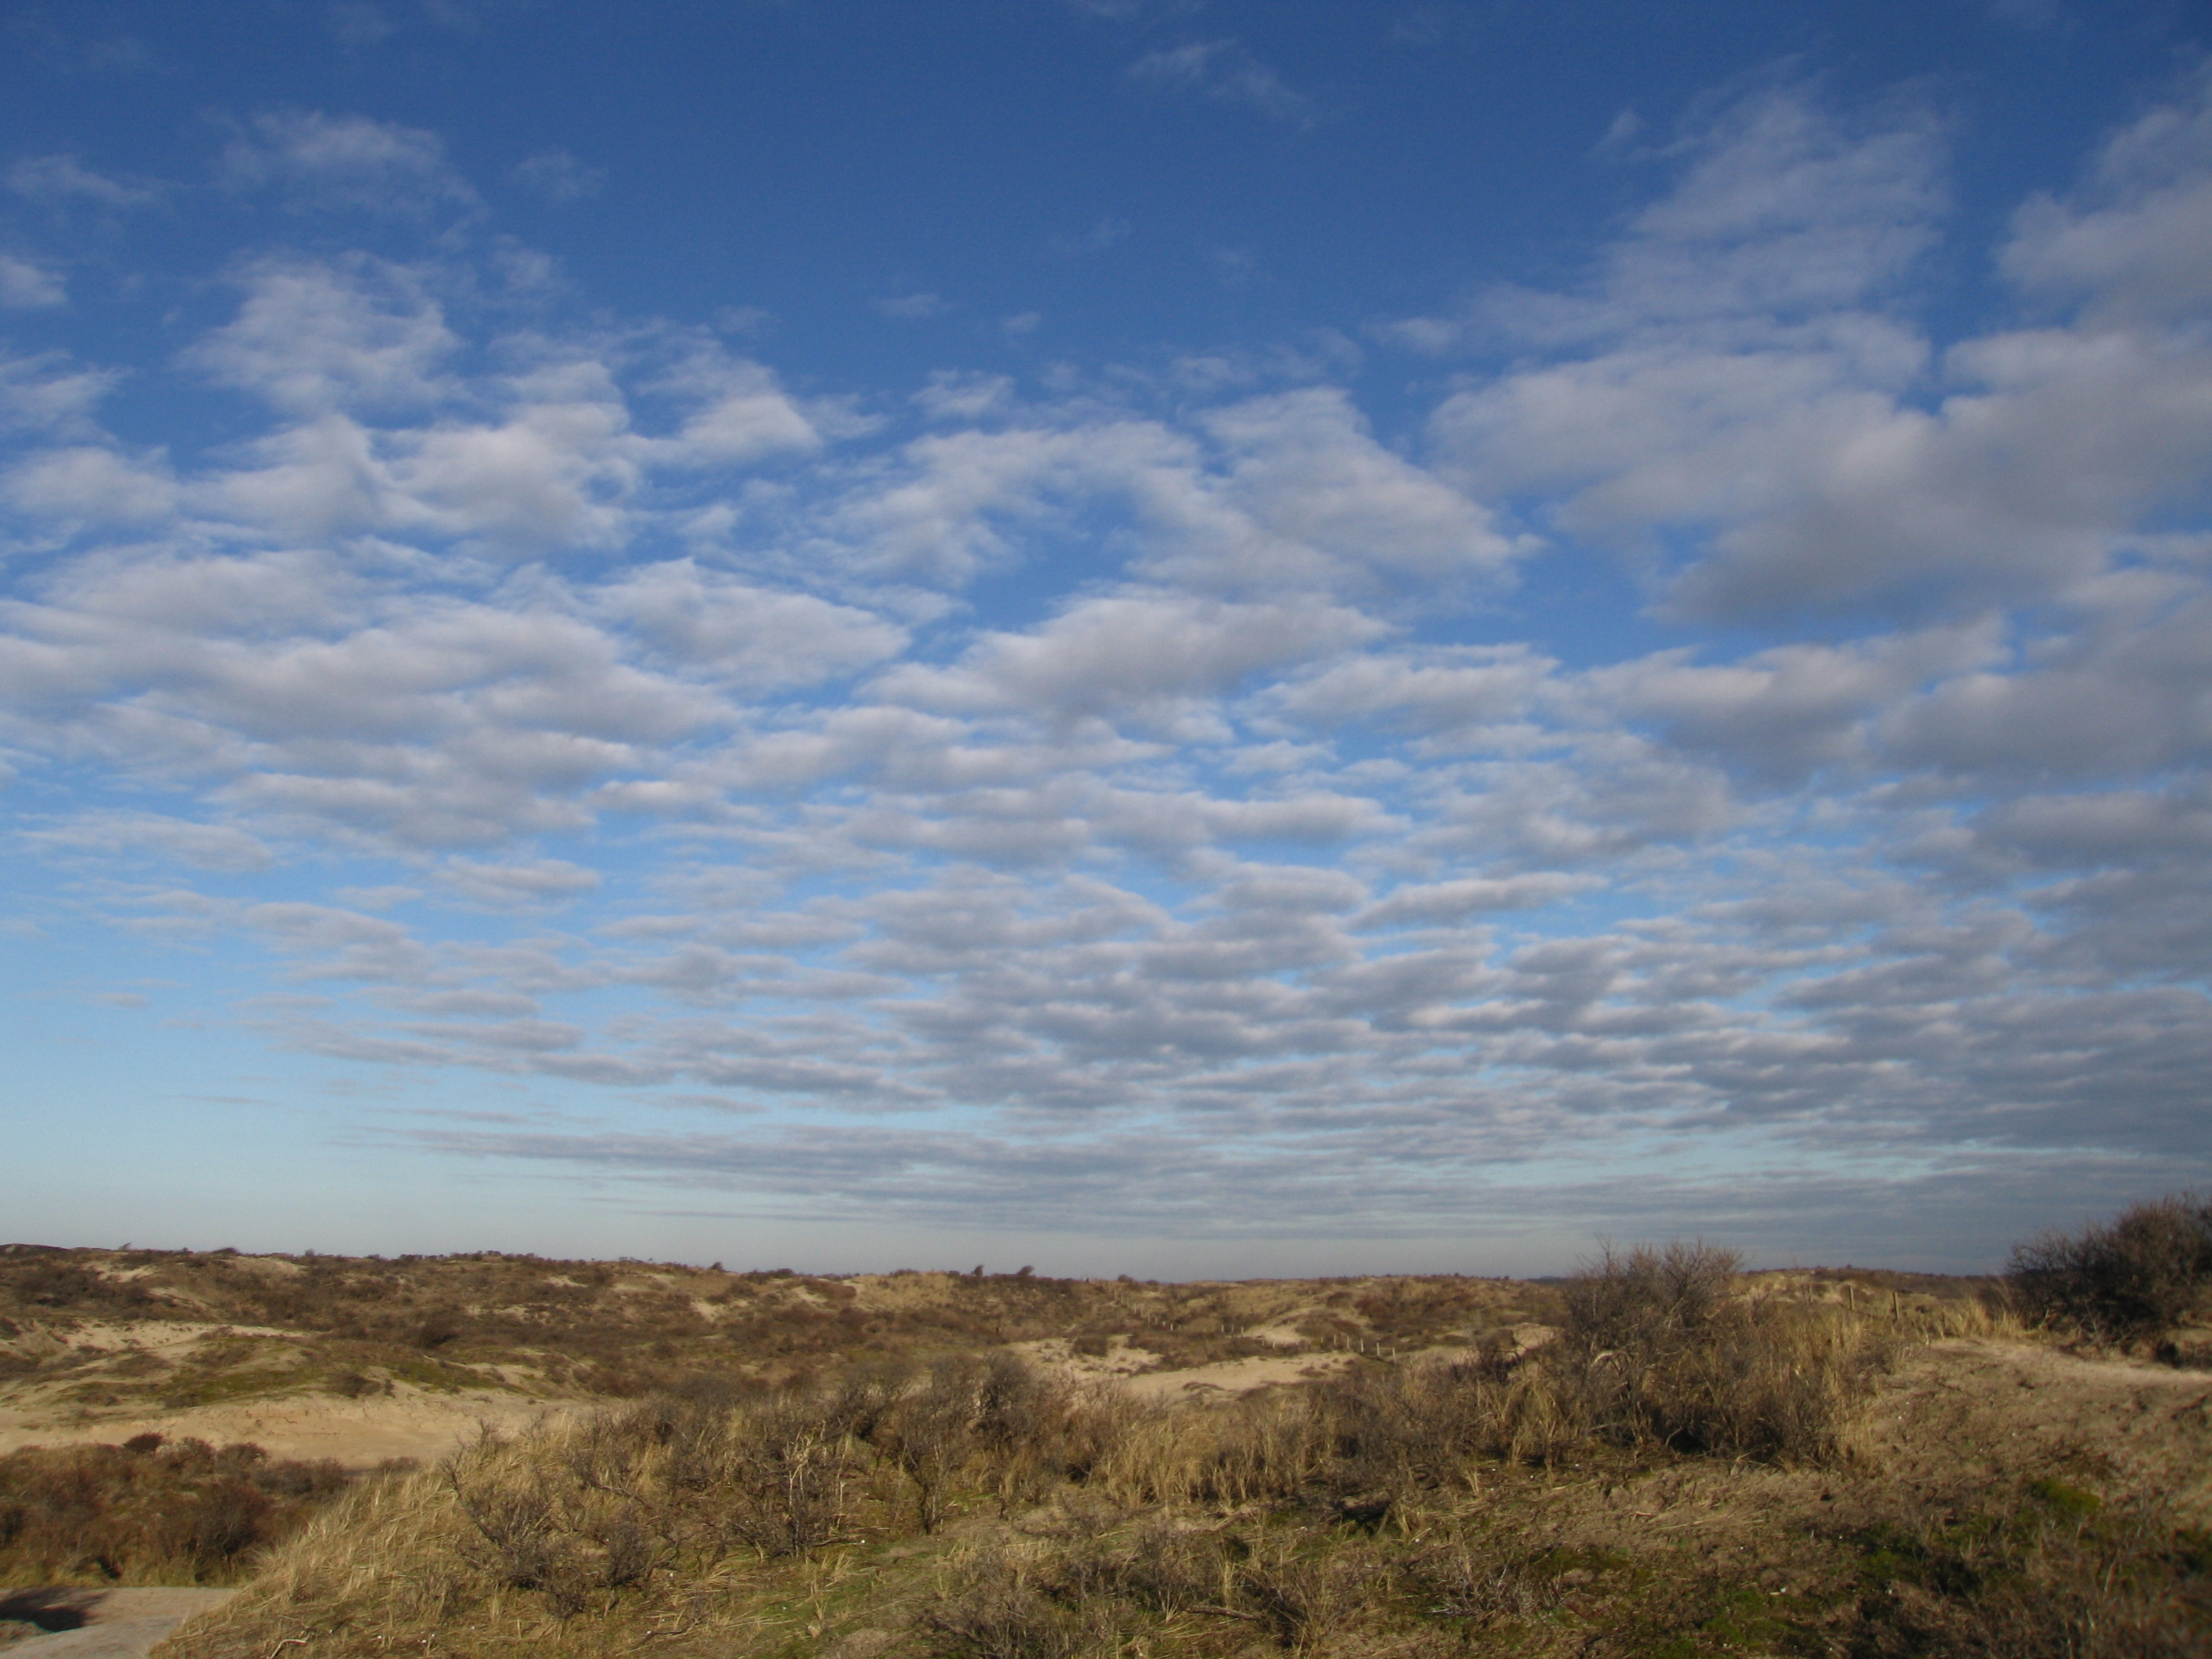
x: 150, y: 1513
x: 1585, y: 1494
x: 2138, y: 1278
x: 1662, y: 1455
x: 114, y: 1330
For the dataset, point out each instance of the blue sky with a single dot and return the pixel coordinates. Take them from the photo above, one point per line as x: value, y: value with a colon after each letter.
x: 1186, y: 638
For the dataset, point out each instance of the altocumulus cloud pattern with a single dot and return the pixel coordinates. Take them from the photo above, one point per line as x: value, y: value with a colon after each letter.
x: 1719, y: 744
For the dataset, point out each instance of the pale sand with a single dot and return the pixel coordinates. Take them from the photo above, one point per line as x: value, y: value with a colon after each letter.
x: 1236, y: 1375
x: 358, y: 1433
x: 100, y: 1624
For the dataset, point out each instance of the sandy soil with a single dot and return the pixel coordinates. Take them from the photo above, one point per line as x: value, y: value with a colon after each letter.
x: 96, y: 1624
x: 358, y: 1433
x: 1130, y: 1368
x: 1234, y: 1376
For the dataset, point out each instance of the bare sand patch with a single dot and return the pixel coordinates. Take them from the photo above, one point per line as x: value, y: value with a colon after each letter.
x: 358, y: 1433
x: 1236, y: 1375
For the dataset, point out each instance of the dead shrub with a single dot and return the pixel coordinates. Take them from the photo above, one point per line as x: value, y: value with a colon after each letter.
x: 791, y: 1468
x: 1167, y: 1566
x: 1646, y: 1301
x: 597, y: 1507
x: 1426, y: 1425
x: 928, y: 1435
x: 1663, y: 1346
x: 1308, y: 1597
x: 2137, y: 1276
x: 1458, y: 1580
x: 562, y: 1519
x: 1261, y: 1447
x: 994, y: 1607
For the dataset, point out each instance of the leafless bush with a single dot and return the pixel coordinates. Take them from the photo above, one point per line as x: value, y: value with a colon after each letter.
x: 995, y: 1608
x: 1307, y: 1596
x: 571, y: 1525
x: 151, y: 1511
x: 991, y: 1418
x: 1167, y: 1566
x: 1665, y: 1345
x: 2139, y: 1276
x: 929, y: 1435
x: 601, y: 1505
x: 1645, y: 1301
x: 792, y: 1469
x: 1458, y: 1580
x: 1259, y: 1449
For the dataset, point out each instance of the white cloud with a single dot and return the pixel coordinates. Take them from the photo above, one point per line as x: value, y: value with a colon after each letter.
x: 2137, y: 244
x: 556, y: 472
x: 313, y: 338
x: 1331, y: 506
x: 278, y: 683
x: 1239, y: 853
x: 1223, y: 71
x: 743, y: 636
x: 48, y: 393
x: 557, y: 462
x: 27, y: 287
x: 345, y: 163
x: 1158, y: 659
x: 907, y: 307
x: 1781, y: 213
x: 1446, y: 901
x: 1443, y: 693
x: 107, y: 834
x: 953, y: 396
x: 740, y: 415
x: 559, y: 177
x: 504, y: 886
x: 89, y: 485
x: 1738, y: 387
x: 1789, y: 709
x: 1288, y: 491
x: 53, y: 180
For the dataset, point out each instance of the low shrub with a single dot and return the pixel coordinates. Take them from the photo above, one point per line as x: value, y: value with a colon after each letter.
x: 2133, y: 1279
x: 1666, y: 1347
x: 149, y: 1512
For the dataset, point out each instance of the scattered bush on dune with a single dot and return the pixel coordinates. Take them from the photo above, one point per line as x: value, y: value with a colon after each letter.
x: 1665, y: 1346
x: 2133, y: 1279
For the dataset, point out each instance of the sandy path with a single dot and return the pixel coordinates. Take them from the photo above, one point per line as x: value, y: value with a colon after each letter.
x: 99, y: 1624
